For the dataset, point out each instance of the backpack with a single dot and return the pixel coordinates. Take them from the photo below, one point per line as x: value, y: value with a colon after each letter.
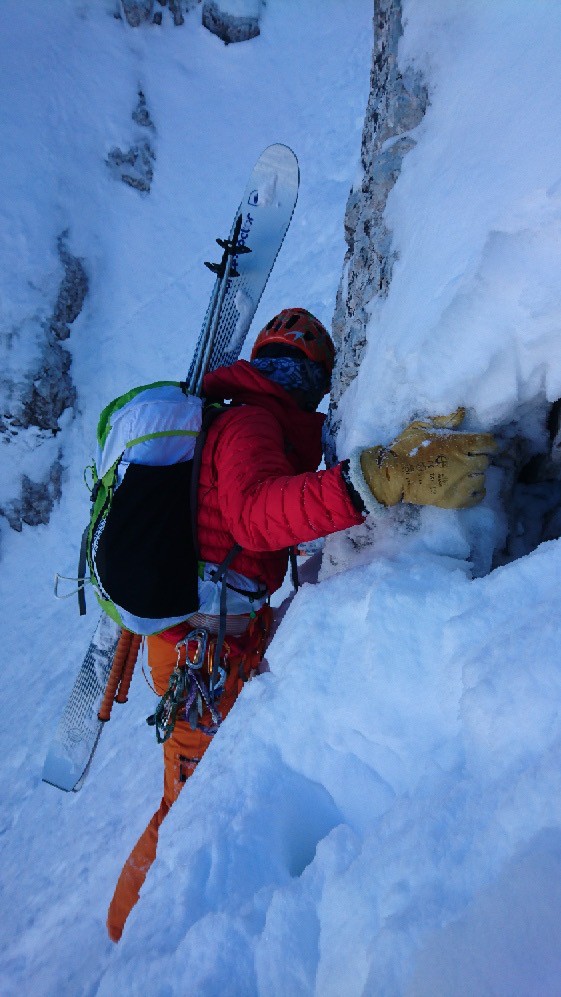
x: 140, y: 543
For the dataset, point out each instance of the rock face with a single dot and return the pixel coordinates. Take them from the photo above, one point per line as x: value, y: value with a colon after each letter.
x: 137, y: 12
x: 31, y: 417
x: 232, y: 20
x: 37, y: 387
x: 135, y: 165
x: 397, y: 102
x: 36, y: 499
x: 51, y: 390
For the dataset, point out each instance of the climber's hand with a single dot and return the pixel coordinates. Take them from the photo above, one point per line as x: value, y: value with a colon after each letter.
x: 430, y: 463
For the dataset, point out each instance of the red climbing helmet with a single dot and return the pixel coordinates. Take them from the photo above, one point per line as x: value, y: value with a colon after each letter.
x: 298, y: 327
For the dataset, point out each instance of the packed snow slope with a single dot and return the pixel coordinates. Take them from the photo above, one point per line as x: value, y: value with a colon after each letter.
x: 381, y: 813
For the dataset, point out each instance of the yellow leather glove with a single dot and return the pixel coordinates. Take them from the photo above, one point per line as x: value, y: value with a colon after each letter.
x: 430, y: 464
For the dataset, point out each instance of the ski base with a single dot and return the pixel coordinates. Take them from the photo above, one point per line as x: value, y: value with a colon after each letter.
x: 265, y: 211
x: 73, y: 746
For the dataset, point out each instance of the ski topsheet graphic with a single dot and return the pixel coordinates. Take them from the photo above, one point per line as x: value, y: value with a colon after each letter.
x: 256, y: 235
x: 76, y: 738
x: 259, y: 225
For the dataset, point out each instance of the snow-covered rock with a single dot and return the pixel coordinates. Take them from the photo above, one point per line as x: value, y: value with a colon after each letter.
x: 232, y: 20
x: 137, y: 11
x: 135, y: 165
x: 37, y: 390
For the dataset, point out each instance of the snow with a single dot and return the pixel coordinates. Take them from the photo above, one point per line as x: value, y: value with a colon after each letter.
x: 381, y: 813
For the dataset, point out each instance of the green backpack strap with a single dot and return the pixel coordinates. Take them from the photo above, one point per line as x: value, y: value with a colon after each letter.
x: 101, y: 493
x: 83, y: 555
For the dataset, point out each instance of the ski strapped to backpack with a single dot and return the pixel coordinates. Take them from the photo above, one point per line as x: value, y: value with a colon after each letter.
x: 260, y: 224
x: 131, y: 431
x: 225, y: 271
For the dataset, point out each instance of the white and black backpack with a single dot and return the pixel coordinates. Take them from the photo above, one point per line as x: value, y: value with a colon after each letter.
x: 140, y: 543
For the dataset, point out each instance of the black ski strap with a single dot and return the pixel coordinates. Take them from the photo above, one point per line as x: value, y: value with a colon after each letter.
x: 82, y: 572
x: 294, y: 568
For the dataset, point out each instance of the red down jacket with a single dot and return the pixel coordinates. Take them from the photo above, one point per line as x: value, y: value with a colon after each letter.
x: 259, y: 486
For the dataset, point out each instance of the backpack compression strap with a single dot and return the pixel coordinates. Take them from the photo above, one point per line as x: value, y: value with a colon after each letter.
x: 294, y: 568
x: 82, y: 561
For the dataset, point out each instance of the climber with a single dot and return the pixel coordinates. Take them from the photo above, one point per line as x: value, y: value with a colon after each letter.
x: 259, y: 489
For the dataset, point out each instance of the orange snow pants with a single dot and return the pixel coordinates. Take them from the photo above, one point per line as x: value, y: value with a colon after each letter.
x: 182, y: 751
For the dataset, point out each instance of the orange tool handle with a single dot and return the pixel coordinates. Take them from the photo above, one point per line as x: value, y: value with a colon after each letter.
x: 128, y: 670
x: 119, y: 661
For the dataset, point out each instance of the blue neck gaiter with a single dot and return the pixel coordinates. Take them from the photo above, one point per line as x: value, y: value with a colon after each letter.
x: 293, y: 374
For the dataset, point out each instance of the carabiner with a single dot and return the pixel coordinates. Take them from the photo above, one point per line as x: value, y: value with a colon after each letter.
x: 195, y: 644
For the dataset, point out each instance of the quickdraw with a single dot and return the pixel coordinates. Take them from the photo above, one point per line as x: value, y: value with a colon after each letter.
x: 188, y: 693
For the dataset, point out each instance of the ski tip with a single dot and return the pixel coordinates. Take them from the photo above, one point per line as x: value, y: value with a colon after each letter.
x: 279, y: 157
x: 282, y: 148
x: 61, y: 771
